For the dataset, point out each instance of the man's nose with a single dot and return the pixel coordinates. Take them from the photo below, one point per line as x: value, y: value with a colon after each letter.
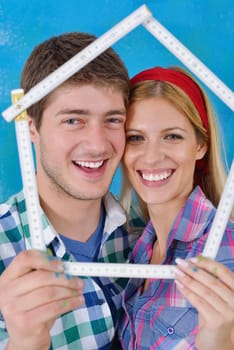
x: 97, y: 138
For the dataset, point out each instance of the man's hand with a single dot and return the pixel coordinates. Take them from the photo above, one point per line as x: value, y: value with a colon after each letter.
x: 34, y: 291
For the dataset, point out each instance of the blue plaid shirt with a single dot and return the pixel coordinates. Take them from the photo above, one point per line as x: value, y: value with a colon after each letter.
x: 91, y: 326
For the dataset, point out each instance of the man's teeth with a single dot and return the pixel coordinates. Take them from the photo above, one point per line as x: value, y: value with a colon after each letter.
x: 156, y: 177
x: 92, y: 165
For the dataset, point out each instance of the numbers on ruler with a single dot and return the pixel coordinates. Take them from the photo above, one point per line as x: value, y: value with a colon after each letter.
x: 190, y: 60
x: 69, y: 68
x: 119, y: 270
x: 29, y: 183
x: 221, y: 218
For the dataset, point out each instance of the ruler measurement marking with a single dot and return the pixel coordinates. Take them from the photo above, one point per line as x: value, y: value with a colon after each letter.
x: 190, y: 60
x: 28, y: 176
x: 221, y: 218
x: 120, y: 270
x: 77, y: 62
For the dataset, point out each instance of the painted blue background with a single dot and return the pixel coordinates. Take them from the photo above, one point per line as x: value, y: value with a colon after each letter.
x: 203, y: 26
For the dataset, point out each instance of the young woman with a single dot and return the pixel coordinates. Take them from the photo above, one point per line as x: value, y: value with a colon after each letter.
x: 173, y: 161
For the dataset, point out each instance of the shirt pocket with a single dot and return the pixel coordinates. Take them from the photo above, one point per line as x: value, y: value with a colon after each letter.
x: 175, y: 322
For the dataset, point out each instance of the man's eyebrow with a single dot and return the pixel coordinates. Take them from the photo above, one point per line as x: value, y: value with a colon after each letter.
x: 72, y: 111
x: 121, y: 111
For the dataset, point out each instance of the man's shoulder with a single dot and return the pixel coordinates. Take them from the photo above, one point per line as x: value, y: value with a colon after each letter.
x: 12, y: 205
x: 135, y: 216
x: 11, y: 235
x: 10, y: 218
x: 136, y: 219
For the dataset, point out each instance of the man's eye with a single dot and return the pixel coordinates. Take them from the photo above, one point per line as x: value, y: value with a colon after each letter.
x: 115, y: 120
x: 134, y: 138
x: 71, y: 121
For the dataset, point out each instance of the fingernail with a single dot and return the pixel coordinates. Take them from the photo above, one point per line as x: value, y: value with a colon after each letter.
x: 181, y: 262
x: 215, y: 271
x: 179, y: 272
x: 201, y: 257
x: 194, y: 268
x: 64, y: 304
x: 68, y: 277
x: 74, y: 293
x: 51, y: 258
x: 194, y: 260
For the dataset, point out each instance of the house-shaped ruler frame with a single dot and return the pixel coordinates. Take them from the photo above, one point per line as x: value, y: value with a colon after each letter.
x: 18, y: 112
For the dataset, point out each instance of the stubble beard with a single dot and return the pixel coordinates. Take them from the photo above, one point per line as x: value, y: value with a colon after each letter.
x: 63, y: 188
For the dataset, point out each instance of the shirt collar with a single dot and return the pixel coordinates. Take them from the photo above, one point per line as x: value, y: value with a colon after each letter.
x: 193, y: 218
x: 190, y: 223
x: 115, y: 217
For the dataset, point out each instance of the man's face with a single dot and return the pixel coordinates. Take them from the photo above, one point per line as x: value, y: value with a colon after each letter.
x: 81, y: 141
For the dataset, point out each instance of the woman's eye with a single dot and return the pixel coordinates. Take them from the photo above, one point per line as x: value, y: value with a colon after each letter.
x: 173, y: 137
x: 134, y: 138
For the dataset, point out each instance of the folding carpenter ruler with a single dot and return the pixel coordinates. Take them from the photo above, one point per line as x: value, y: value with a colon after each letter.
x: 21, y: 102
x: 190, y: 60
x: 220, y: 221
x: 164, y: 271
x: 141, y: 16
x: 62, y: 73
x: 28, y: 175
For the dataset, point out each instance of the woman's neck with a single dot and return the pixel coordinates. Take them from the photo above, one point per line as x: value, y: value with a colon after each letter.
x: 163, y: 217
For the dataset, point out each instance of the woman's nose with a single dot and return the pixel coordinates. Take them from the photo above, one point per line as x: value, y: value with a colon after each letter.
x: 154, y: 152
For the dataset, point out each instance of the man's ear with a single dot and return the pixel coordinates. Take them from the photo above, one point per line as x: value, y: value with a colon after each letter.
x: 32, y: 129
x: 201, y: 150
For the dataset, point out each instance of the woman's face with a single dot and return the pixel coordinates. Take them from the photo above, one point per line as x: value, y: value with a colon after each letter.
x: 161, y: 151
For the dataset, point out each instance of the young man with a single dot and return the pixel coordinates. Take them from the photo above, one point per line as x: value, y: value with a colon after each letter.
x: 78, y: 136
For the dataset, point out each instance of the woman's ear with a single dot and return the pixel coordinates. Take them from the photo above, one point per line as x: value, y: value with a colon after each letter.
x: 201, y: 150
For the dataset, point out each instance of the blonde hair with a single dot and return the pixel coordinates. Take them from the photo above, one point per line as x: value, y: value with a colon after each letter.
x: 212, y: 182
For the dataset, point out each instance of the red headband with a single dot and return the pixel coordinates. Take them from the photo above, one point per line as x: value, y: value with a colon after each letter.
x: 182, y: 81
x: 185, y: 83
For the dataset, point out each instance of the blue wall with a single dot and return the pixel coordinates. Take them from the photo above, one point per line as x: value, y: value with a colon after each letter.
x: 205, y: 27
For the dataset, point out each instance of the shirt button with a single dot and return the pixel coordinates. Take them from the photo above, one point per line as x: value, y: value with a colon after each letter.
x: 170, y: 330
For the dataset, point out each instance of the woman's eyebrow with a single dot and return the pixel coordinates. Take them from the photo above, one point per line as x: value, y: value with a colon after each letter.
x: 175, y: 128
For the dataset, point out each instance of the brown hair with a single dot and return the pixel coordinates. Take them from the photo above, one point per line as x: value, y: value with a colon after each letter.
x: 105, y: 70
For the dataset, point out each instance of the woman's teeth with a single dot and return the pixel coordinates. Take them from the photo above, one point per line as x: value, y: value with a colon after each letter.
x: 156, y: 177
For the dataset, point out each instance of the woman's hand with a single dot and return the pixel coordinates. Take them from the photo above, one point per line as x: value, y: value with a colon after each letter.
x: 209, y: 287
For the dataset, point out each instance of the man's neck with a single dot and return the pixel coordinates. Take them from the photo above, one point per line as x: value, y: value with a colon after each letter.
x: 73, y: 218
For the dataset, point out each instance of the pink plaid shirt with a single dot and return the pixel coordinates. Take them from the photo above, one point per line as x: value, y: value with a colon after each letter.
x: 161, y: 318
